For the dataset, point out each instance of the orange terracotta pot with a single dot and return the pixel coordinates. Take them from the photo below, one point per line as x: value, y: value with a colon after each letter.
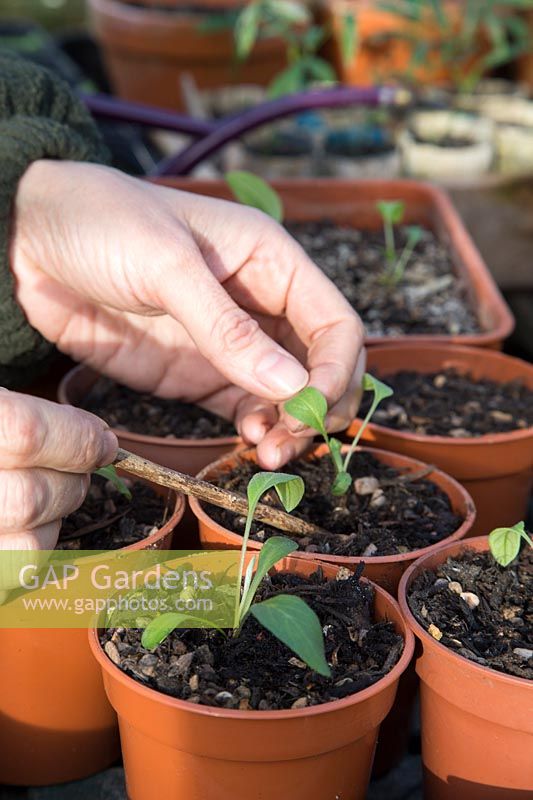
x: 383, y: 53
x: 146, y: 50
x: 172, y: 748
x: 56, y: 723
x: 477, y: 723
x: 351, y: 202
x: 497, y: 469
x: 386, y: 571
x: 185, y: 455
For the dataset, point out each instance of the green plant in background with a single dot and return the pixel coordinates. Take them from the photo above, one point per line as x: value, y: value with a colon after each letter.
x: 392, y: 213
x: 291, y: 21
x: 472, y: 39
x: 505, y: 543
x: 250, y: 190
x: 310, y: 407
x: 287, y: 617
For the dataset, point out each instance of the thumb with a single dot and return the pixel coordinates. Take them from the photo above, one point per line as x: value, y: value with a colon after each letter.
x: 227, y: 335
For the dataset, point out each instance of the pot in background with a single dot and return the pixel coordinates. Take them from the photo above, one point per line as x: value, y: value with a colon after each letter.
x: 172, y: 748
x: 361, y: 152
x: 496, y: 469
x: 477, y: 723
x: 147, y: 49
x: 423, y: 156
x: 353, y: 203
x: 56, y: 724
x: 185, y: 455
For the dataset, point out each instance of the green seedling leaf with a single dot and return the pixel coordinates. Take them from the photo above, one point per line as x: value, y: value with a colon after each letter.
x: 250, y: 190
x: 505, y: 543
x: 289, y: 81
x: 348, y: 38
x: 380, y: 389
x: 317, y: 69
x: 110, y: 474
x: 341, y: 484
x: 273, y: 550
x: 310, y: 407
x: 159, y: 628
x: 246, y: 30
x: 391, y: 211
x: 290, y: 12
x: 291, y: 621
x: 290, y: 490
x: 414, y: 234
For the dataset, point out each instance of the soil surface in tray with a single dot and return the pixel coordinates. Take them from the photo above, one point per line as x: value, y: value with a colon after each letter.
x: 449, y: 403
x: 445, y: 141
x: 107, y: 520
x: 128, y: 410
x: 255, y: 670
x: 431, y: 298
x: 382, y: 514
x: 498, y: 632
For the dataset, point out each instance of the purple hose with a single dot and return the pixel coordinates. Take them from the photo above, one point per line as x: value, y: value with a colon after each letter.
x: 211, y: 136
x: 112, y: 108
x: 234, y: 127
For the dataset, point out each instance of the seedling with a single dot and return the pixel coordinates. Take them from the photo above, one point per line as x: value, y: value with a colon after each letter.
x: 505, y: 543
x: 310, y: 407
x: 392, y: 213
x: 287, y: 617
x: 471, y: 40
x: 250, y: 190
x: 110, y: 474
x: 290, y: 21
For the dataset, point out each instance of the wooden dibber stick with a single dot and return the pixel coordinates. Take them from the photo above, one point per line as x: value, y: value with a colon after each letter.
x: 232, y: 501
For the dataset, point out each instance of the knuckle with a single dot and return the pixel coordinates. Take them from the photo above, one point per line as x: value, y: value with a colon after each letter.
x: 90, y: 445
x: 235, y: 330
x: 24, y: 496
x: 22, y: 431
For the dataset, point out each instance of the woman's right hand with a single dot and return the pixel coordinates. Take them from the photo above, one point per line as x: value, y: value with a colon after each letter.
x: 47, y: 452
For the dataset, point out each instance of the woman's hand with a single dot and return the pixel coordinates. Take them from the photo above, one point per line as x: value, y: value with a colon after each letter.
x: 184, y: 296
x: 46, y: 453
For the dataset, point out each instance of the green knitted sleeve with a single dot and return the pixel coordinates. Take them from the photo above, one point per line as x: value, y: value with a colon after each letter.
x: 39, y: 118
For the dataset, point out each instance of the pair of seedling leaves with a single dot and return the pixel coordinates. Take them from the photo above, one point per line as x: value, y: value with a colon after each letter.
x: 287, y: 617
x: 253, y: 191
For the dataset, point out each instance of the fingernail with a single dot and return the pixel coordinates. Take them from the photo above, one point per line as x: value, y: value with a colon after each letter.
x: 109, y: 448
x: 281, y: 374
x: 294, y: 426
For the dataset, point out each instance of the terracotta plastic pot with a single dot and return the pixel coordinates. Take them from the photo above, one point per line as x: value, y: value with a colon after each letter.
x: 386, y: 571
x: 348, y: 202
x: 497, y: 469
x: 56, y: 723
x: 172, y: 748
x: 185, y: 455
x: 381, y: 54
x: 147, y: 49
x: 477, y: 723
